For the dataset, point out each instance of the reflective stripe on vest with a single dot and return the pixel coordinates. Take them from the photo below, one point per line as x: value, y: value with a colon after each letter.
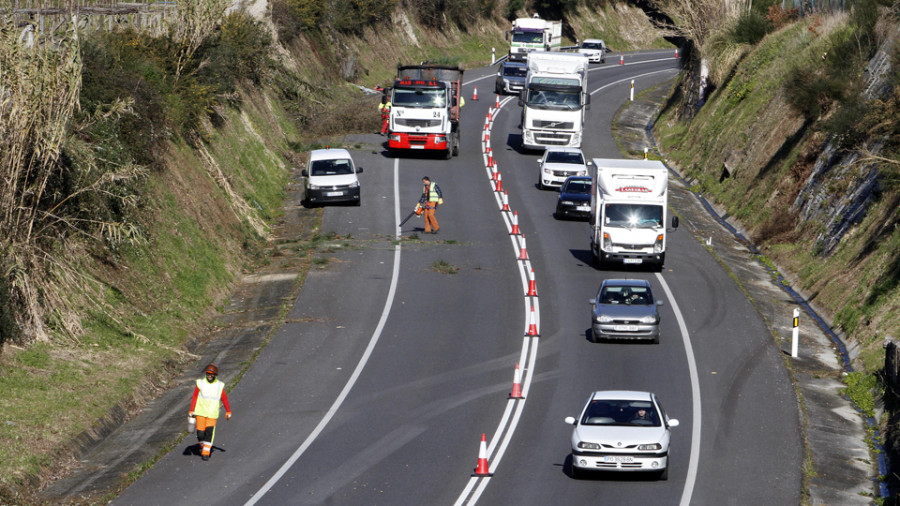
x: 209, y: 398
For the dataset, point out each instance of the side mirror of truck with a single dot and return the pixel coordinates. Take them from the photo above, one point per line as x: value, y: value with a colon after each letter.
x: 674, y: 221
x: 304, y: 173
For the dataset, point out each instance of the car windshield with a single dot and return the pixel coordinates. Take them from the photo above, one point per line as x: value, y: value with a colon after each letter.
x: 331, y: 167
x: 514, y: 71
x: 633, y: 215
x: 616, y: 412
x: 419, y: 97
x: 592, y: 45
x: 552, y: 99
x: 623, y: 294
x: 528, y: 37
x: 577, y: 186
x: 564, y: 157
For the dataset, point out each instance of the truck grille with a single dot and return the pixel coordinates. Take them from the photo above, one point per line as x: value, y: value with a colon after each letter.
x: 556, y: 125
x: 552, y: 139
x: 421, y: 123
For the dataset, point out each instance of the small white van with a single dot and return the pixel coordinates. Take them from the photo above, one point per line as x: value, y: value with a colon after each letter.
x: 330, y: 176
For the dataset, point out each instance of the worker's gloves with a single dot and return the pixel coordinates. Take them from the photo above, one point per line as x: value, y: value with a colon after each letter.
x: 440, y: 202
x: 228, y: 415
x: 191, y: 414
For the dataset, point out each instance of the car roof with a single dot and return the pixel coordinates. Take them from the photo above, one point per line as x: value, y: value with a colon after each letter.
x: 328, y: 154
x: 592, y: 41
x: 626, y: 282
x: 564, y: 150
x: 624, y: 395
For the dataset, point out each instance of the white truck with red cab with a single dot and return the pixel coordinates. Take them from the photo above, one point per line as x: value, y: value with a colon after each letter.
x: 628, y: 212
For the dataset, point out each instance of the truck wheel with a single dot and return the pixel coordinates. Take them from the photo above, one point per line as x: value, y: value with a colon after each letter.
x: 456, y: 144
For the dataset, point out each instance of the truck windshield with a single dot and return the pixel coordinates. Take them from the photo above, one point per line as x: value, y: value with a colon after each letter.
x: 633, y: 215
x: 553, y: 99
x: 528, y: 37
x: 419, y: 97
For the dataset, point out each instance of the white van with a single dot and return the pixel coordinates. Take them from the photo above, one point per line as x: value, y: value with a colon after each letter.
x: 330, y: 176
x: 594, y: 49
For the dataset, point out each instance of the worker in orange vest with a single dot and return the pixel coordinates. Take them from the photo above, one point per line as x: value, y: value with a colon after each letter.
x: 385, y: 108
x: 208, y: 393
x: 431, y: 198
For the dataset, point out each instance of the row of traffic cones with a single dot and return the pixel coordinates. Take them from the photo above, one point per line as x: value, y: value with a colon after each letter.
x: 482, y: 468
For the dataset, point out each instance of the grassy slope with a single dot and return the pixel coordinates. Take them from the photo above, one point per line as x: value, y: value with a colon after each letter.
x: 747, y: 119
x: 205, y: 217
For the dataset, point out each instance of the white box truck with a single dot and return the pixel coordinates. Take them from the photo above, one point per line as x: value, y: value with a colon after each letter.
x: 628, y: 212
x: 554, y: 100
x: 533, y: 34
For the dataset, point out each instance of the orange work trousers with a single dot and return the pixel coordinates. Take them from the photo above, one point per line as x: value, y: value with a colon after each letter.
x: 430, y: 220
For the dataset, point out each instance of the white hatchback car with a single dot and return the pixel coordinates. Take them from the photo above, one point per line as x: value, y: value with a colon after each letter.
x: 594, y: 49
x: 330, y: 176
x: 559, y: 163
x: 621, y: 430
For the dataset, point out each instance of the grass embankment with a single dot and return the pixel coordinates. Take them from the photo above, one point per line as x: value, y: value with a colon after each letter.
x: 216, y: 144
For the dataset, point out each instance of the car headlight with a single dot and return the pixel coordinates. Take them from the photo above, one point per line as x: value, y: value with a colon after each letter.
x: 650, y: 447
x: 313, y: 186
x: 584, y: 445
x: 602, y: 319
x: 354, y: 184
x: 395, y: 138
x: 650, y: 319
x: 567, y: 202
x: 546, y: 170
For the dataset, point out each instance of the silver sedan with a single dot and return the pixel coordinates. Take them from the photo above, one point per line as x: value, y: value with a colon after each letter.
x: 625, y: 309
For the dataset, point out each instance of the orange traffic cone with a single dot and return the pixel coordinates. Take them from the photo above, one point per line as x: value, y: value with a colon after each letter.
x: 487, y: 136
x: 532, y: 286
x: 676, y: 52
x: 505, y: 201
x: 475, y: 94
x: 499, y: 187
x: 487, y: 121
x: 532, y: 327
x: 517, y: 385
x: 523, y: 253
x: 515, y: 225
x: 490, y: 154
x: 482, y: 468
x: 621, y: 59
x: 497, y: 102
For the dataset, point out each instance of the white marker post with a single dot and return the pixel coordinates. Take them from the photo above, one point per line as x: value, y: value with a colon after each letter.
x: 632, y: 90
x: 646, y: 154
x: 493, y: 55
x: 795, y: 334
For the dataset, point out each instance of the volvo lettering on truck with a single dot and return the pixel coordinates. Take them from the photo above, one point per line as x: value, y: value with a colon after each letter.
x: 425, y: 102
x: 628, y: 212
x: 554, y: 100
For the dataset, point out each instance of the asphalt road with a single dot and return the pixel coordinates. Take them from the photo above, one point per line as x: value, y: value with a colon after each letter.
x: 388, y: 371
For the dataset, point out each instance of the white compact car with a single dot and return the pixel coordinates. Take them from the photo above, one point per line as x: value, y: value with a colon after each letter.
x: 330, y: 176
x: 621, y: 430
x: 594, y: 49
x: 559, y: 163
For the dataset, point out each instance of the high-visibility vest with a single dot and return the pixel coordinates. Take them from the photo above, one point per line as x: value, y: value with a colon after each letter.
x: 433, y: 195
x: 209, y: 398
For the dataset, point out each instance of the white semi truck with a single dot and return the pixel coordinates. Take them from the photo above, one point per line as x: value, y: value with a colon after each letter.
x: 533, y: 34
x: 628, y: 212
x: 554, y: 100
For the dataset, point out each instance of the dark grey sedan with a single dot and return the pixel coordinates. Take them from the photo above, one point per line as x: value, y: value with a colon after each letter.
x: 625, y: 309
x: 574, y: 198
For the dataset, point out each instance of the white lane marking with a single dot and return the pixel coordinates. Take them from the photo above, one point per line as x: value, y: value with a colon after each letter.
x: 634, y: 77
x: 359, y: 366
x: 695, y: 397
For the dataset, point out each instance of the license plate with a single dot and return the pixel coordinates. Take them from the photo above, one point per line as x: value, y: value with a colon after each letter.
x: 626, y: 328
x: 583, y: 208
x: 626, y: 460
x: 333, y: 194
x: 416, y: 147
x: 632, y: 261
